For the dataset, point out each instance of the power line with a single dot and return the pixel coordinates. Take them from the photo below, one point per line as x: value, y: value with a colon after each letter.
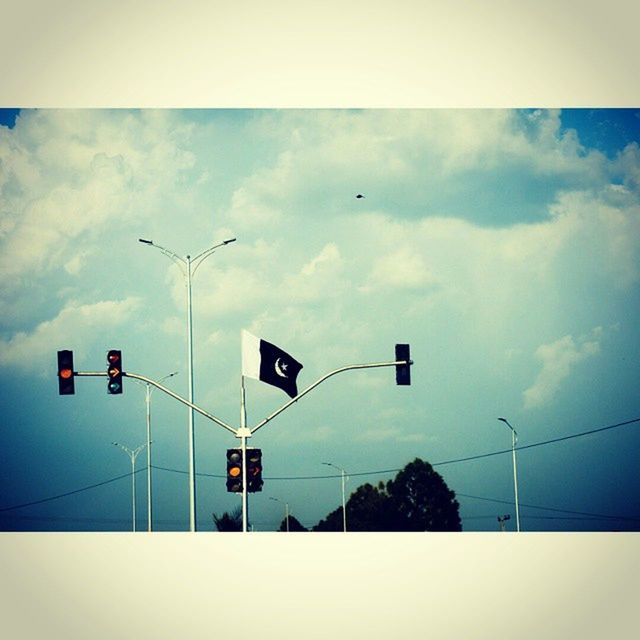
x: 533, y: 506
x: 363, y: 473
x: 68, y: 493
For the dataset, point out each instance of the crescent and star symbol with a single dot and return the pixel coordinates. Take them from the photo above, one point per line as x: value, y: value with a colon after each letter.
x: 281, y: 368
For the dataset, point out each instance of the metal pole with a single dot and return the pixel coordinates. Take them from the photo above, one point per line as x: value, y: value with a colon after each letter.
x: 514, y: 439
x: 242, y: 432
x: 192, y: 461
x: 132, y: 455
x: 148, y: 403
x: 286, y: 511
x: 133, y: 488
x: 344, y: 504
x: 515, y: 477
x: 187, y: 263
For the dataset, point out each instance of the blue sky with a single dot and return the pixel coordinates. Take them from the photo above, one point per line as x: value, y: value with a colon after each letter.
x: 502, y: 245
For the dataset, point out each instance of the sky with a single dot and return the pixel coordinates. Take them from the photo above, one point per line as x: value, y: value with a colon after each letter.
x: 502, y: 245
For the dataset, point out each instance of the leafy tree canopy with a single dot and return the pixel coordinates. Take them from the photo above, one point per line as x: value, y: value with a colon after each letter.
x: 294, y: 525
x: 417, y: 499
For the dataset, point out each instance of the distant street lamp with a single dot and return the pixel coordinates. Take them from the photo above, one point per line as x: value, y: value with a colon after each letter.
x: 514, y: 439
x: 133, y: 454
x: 286, y: 510
x: 502, y: 520
x: 344, y: 505
x: 188, y: 267
x: 149, y: 389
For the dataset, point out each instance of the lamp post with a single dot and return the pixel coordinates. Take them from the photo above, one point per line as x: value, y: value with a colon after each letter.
x: 344, y: 506
x: 502, y: 520
x: 514, y: 439
x: 188, y: 267
x: 133, y: 454
x: 149, y: 389
x: 286, y: 511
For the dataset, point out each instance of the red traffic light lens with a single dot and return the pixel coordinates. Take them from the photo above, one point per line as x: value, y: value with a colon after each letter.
x: 66, y: 373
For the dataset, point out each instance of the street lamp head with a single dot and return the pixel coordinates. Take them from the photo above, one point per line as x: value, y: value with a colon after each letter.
x: 229, y: 241
x: 502, y: 419
x: 145, y: 241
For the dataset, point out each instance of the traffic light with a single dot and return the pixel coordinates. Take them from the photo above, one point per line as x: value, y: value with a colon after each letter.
x: 114, y: 371
x: 66, y: 385
x: 254, y: 470
x: 234, y: 470
x: 403, y: 371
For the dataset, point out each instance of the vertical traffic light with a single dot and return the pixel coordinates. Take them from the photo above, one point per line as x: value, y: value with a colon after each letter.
x: 66, y: 385
x: 403, y: 371
x: 234, y: 470
x: 114, y: 371
x: 254, y: 470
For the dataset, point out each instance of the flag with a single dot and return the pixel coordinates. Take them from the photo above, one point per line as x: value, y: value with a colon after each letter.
x: 264, y: 361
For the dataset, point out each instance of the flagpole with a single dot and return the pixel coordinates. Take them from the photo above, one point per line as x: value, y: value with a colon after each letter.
x: 243, y: 445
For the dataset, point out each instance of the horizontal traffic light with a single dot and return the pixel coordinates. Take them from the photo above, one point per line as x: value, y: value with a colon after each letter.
x: 66, y: 385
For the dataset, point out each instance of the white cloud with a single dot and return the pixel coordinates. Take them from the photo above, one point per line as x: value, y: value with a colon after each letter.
x: 558, y: 359
x: 68, y: 175
x: 74, y: 324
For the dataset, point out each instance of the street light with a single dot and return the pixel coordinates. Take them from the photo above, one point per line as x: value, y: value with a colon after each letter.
x: 514, y: 439
x: 188, y: 267
x: 344, y: 506
x: 149, y: 389
x: 286, y: 510
x: 502, y: 520
x: 133, y: 454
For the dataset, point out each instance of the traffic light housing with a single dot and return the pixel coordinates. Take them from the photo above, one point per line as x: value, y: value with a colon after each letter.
x: 403, y: 371
x: 114, y: 371
x: 66, y: 384
x: 234, y: 470
x: 254, y: 470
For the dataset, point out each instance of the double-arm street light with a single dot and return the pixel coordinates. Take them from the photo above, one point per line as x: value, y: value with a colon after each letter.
x: 286, y: 511
x: 133, y: 454
x: 344, y: 506
x: 188, y: 266
x: 147, y: 400
x: 514, y: 439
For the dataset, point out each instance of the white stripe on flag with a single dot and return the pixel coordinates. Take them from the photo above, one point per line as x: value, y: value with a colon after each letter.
x: 250, y: 355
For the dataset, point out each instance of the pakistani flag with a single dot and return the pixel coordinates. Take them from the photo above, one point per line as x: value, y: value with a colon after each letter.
x: 264, y: 361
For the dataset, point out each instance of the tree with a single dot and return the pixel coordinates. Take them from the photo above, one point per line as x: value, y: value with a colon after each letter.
x: 229, y: 521
x: 417, y: 499
x: 294, y: 524
x: 422, y: 501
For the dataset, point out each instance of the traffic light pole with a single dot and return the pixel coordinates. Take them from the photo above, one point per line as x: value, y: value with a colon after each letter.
x: 317, y: 382
x: 245, y: 432
x: 242, y: 433
x: 157, y: 385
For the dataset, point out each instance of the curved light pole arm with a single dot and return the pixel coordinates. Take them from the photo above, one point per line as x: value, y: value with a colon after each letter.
x: 181, y: 262
x: 202, y: 256
x: 325, y: 377
x: 157, y: 385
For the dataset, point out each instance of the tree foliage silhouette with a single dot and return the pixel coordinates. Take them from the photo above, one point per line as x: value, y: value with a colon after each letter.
x: 229, y: 521
x: 417, y: 499
x: 294, y: 525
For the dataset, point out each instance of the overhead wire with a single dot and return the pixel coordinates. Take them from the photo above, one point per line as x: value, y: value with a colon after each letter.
x: 363, y: 473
